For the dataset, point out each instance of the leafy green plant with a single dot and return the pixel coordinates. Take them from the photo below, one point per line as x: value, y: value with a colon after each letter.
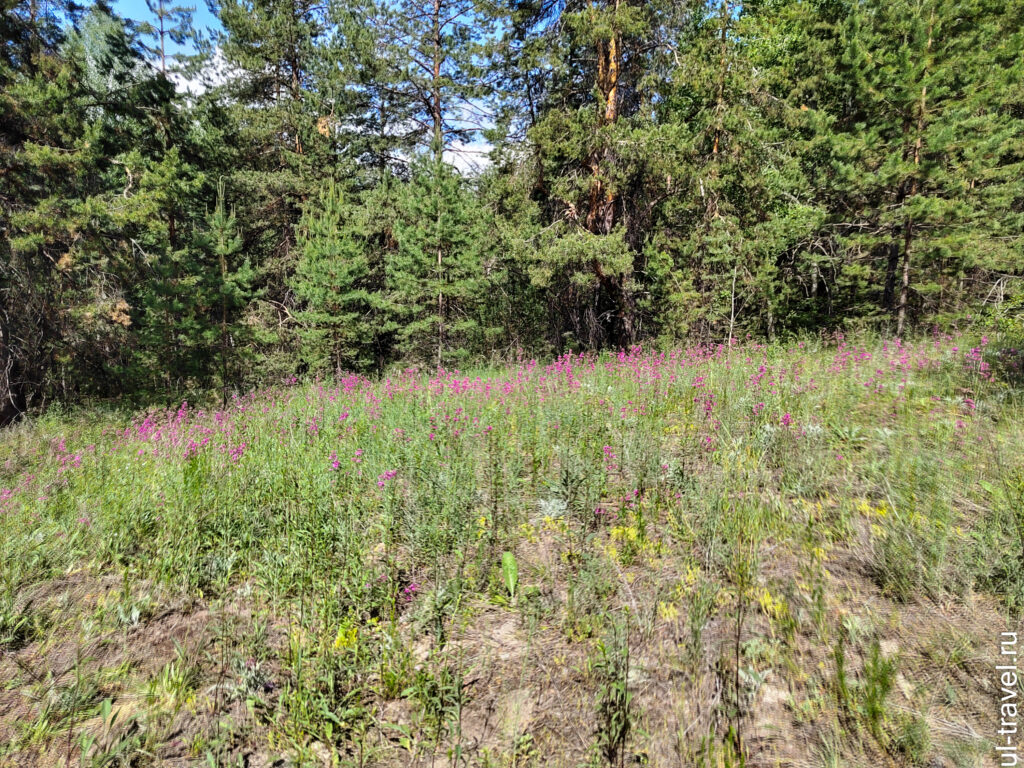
x: 700, y: 610
x: 119, y: 741
x: 615, y: 713
x: 175, y: 684
x: 18, y: 626
x: 879, y: 675
x: 440, y: 693
x: 510, y: 573
x: 347, y: 551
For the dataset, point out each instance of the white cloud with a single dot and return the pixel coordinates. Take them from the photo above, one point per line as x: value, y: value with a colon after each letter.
x: 215, y: 72
x: 469, y: 157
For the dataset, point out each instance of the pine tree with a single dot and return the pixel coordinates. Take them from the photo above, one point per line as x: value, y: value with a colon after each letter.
x: 33, y: 75
x: 272, y: 45
x: 171, y: 24
x: 230, y: 290
x: 371, y: 110
x: 581, y: 97
x: 909, y: 147
x: 436, y: 272
x: 79, y: 205
x: 989, y: 126
x: 339, y: 280
x: 276, y: 155
x: 658, y: 170
x: 744, y: 210
x: 436, y: 46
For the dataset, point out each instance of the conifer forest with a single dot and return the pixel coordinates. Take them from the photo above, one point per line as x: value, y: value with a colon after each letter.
x: 334, y: 186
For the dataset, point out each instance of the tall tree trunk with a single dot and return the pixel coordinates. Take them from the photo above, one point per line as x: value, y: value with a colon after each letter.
x: 436, y: 104
x: 601, y: 209
x: 720, y: 89
x: 891, y: 268
x: 908, y: 227
x: 437, y: 116
x: 602, y: 202
x: 12, y: 388
x: 163, y: 51
x: 296, y: 84
x: 710, y: 195
x: 901, y: 314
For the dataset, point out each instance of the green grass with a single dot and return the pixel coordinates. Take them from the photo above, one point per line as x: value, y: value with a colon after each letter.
x: 703, y: 557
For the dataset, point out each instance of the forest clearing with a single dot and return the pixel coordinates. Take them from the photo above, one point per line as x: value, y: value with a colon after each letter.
x: 790, y: 555
x: 511, y: 383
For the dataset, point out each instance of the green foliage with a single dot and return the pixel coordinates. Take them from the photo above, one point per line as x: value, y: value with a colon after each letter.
x: 437, y: 272
x: 879, y: 672
x: 510, y: 573
x: 615, y: 713
x: 864, y: 700
x: 330, y: 558
x: 171, y: 24
x: 911, y: 152
x: 655, y: 173
x: 339, y: 278
x: 912, y: 739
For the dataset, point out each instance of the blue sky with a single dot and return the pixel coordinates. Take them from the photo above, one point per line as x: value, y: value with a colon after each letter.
x: 466, y: 157
x: 137, y: 10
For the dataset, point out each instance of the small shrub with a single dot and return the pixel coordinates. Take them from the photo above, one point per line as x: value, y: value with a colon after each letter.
x: 911, y: 740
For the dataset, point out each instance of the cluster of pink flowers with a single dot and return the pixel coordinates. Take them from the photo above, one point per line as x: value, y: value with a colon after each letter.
x: 457, y: 408
x: 193, y: 447
x: 609, y: 459
x: 409, y: 591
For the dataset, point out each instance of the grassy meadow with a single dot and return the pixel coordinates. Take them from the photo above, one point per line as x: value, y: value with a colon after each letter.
x: 792, y: 555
